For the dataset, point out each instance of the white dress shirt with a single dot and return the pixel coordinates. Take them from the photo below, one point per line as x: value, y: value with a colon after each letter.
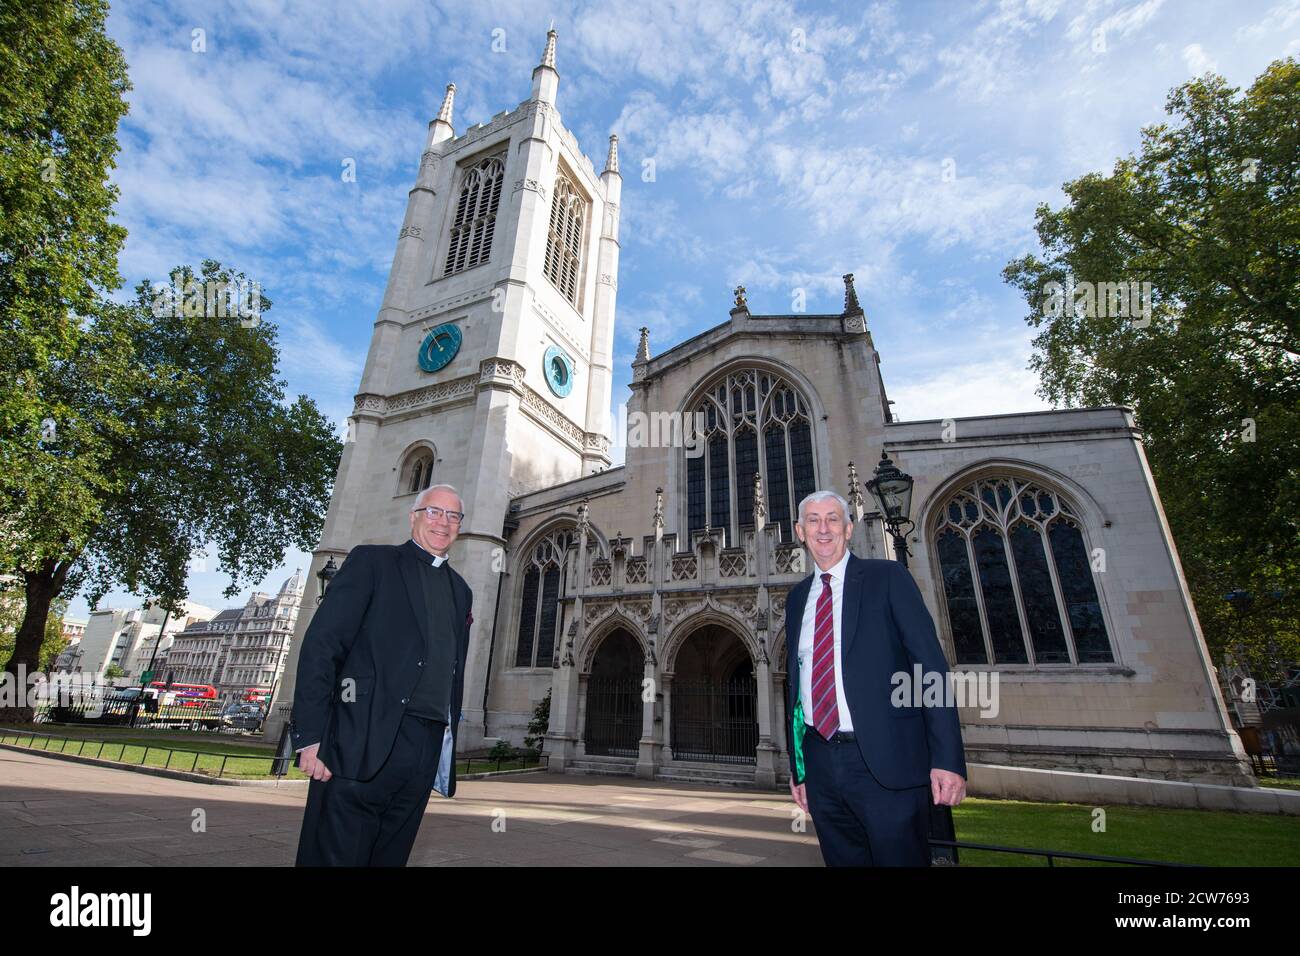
x: 809, y: 630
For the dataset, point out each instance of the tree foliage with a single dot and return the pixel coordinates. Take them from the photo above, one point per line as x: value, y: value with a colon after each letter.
x: 130, y: 437
x: 1208, y: 214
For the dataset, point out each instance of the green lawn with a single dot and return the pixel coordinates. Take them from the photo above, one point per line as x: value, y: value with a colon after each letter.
x: 1204, y: 837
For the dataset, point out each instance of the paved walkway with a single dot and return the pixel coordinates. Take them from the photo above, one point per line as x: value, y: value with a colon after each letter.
x: 58, y: 813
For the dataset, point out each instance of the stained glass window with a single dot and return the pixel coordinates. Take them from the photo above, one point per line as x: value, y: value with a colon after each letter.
x: 1017, y: 582
x: 754, y: 421
x: 539, y: 618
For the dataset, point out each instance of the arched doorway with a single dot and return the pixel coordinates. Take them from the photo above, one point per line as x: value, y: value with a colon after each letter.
x: 714, y: 699
x: 614, y: 697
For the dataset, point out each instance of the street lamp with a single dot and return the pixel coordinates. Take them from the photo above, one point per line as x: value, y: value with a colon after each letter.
x: 893, y: 490
x: 325, y: 575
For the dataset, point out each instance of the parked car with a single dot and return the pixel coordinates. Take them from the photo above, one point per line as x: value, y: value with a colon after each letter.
x: 245, y: 717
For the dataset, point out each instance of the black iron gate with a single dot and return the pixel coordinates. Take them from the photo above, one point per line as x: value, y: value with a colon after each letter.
x: 715, y: 721
x: 613, y: 716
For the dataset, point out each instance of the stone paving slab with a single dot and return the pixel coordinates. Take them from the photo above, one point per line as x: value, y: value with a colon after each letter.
x: 61, y: 813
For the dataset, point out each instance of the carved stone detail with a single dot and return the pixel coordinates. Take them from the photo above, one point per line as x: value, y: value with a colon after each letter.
x: 530, y: 184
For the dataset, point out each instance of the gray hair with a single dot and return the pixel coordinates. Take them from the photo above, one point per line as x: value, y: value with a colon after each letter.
x: 420, y: 497
x: 822, y: 496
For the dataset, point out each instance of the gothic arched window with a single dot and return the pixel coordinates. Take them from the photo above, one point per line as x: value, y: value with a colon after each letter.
x: 540, y: 623
x: 564, y: 237
x: 754, y: 421
x: 416, y: 472
x: 476, y: 215
x: 1017, y: 578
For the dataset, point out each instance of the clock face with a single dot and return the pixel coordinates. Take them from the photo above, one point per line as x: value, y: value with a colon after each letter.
x: 559, y: 371
x: 439, y: 347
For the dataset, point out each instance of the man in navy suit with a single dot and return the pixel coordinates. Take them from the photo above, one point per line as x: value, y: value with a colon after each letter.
x: 864, y: 768
x: 378, y: 697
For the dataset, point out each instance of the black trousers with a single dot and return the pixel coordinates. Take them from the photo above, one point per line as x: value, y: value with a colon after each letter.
x: 373, y: 822
x: 859, y: 822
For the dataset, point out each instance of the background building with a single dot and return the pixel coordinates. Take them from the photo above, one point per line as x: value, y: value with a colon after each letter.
x: 243, y: 649
x: 128, y: 638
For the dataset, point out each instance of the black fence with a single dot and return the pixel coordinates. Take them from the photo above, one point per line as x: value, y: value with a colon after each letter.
x: 181, y: 714
x: 147, y: 755
x: 715, y: 721
x: 614, y: 716
x: 938, y: 847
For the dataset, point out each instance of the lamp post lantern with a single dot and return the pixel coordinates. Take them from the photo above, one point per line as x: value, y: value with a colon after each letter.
x: 325, y: 575
x: 893, y: 490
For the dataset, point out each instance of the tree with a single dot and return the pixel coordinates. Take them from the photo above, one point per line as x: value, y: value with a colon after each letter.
x: 1209, y: 215
x: 12, y: 609
x: 173, y: 433
x: 62, y: 93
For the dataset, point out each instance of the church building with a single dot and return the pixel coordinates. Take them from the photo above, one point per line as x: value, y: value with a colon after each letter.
x: 648, y: 599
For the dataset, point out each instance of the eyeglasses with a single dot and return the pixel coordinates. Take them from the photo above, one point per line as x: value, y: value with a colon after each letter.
x: 433, y: 514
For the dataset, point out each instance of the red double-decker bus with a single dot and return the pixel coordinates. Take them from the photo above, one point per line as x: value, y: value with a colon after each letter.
x: 186, y: 694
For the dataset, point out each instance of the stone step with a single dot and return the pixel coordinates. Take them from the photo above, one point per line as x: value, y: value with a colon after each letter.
x: 724, y: 775
x: 607, y: 766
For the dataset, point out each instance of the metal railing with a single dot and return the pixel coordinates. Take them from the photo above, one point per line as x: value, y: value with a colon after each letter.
x: 715, y: 721
x: 523, y: 756
x: 16, y: 737
x: 1053, y: 855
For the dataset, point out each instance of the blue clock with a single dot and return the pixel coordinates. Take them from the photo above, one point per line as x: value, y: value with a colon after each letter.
x: 439, y: 347
x: 559, y: 371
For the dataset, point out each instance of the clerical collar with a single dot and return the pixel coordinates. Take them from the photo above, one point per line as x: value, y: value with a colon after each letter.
x: 434, y: 559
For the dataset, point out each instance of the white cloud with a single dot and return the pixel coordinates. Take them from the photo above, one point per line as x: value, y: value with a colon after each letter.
x: 1197, y: 60
x: 968, y: 389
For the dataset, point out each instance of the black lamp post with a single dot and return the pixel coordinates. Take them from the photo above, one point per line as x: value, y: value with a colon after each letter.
x: 325, y: 575
x: 893, y: 490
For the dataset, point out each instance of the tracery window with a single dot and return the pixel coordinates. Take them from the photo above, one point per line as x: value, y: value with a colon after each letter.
x: 476, y: 215
x: 564, y: 238
x: 754, y: 421
x: 1017, y: 576
x: 540, y: 623
x: 417, y: 471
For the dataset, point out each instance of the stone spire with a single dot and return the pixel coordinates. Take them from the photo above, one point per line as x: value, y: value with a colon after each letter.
x: 546, y: 79
x: 611, y: 160
x: 741, y: 308
x: 441, y: 129
x: 856, y: 501
x: 548, y: 55
x: 643, y: 347
x: 851, y: 306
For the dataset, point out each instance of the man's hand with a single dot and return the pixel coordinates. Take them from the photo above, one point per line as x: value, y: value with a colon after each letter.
x: 947, y: 788
x: 800, y: 794
x: 315, y: 768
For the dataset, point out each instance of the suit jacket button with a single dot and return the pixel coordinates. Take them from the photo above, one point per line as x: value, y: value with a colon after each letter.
x: 419, y: 663
x: 403, y: 700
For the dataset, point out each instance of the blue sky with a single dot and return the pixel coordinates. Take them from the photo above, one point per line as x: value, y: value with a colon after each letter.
x: 908, y: 143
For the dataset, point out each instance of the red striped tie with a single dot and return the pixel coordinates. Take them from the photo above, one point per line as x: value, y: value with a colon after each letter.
x: 825, y: 708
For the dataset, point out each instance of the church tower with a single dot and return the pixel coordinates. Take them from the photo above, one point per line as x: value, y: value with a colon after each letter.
x: 489, y: 364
